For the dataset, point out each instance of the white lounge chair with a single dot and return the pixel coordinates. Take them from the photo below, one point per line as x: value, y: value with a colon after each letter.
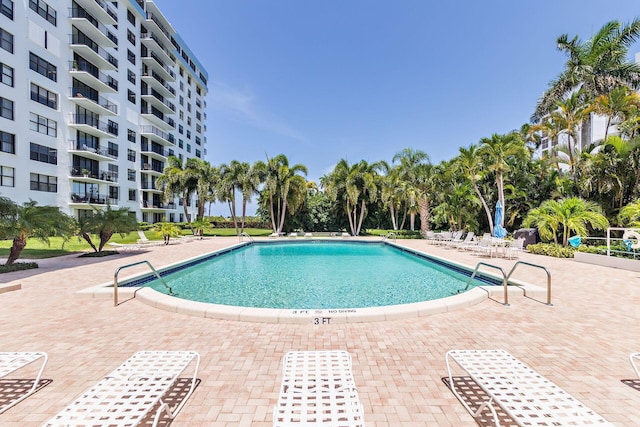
x: 124, y: 246
x: 468, y: 240
x: 346, y: 235
x: 514, y: 248
x: 633, y: 358
x: 526, y: 396
x: 13, y: 361
x: 128, y: 394
x: 318, y: 389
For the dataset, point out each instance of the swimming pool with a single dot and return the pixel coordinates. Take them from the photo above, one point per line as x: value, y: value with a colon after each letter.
x: 314, y: 275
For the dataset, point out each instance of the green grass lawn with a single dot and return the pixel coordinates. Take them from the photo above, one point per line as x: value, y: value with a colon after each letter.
x: 36, y: 249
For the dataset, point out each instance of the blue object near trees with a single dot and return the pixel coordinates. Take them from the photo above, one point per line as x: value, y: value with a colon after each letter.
x: 575, y: 241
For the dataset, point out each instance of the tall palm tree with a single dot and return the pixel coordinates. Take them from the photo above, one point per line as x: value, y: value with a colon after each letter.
x: 249, y: 185
x: 497, y: 150
x: 409, y: 160
x: 353, y: 186
x: 469, y: 162
x: 596, y: 66
x: 566, y: 216
x: 231, y: 178
x: 178, y: 180
x: 208, y: 178
x: 424, y: 185
x: 285, y: 188
x: 616, y: 104
x: 392, y: 192
x: 21, y: 222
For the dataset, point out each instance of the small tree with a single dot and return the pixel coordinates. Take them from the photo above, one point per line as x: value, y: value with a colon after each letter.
x: 105, y: 223
x: 629, y: 216
x: 167, y: 230
x: 19, y: 223
x: 566, y: 215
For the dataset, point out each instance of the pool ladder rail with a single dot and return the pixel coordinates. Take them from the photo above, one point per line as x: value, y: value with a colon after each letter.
x: 506, y: 277
x: 115, y: 279
x: 390, y: 235
x: 245, y: 234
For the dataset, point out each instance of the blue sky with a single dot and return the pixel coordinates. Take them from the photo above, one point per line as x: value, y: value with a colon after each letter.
x: 325, y: 80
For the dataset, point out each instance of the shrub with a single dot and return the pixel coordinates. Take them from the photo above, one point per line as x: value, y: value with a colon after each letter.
x: 18, y: 266
x: 551, y: 249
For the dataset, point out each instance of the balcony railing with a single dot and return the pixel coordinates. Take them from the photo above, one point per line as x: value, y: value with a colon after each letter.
x: 107, y: 9
x: 150, y: 35
x: 159, y: 97
x: 151, y: 16
x: 151, y: 149
x: 155, y: 131
x: 78, y: 12
x: 148, y: 204
x: 149, y: 167
x: 73, y: 145
x: 94, y: 71
x: 90, y: 95
x: 82, y: 39
x: 85, y: 119
x: 93, y: 198
x: 151, y: 54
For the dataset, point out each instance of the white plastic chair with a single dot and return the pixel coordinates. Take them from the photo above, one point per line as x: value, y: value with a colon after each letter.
x: 13, y: 361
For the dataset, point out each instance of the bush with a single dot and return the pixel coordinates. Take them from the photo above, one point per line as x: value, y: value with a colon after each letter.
x: 551, y: 249
x: 18, y: 266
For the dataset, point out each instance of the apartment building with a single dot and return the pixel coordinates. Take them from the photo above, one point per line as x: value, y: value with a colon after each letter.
x: 94, y: 96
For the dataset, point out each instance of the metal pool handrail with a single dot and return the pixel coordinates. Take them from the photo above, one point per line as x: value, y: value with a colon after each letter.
x: 536, y: 266
x: 390, y: 235
x: 245, y: 234
x: 115, y: 279
x: 504, y: 280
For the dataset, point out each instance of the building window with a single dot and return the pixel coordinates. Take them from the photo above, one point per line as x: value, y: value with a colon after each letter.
x: 131, y: 136
x: 198, y: 128
x: 188, y: 107
x: 6, y: 8
x: 131, y: 76
x: 6, y: 75
x: 114, y: 193
x: 112, y: 127
x: 112, y: 149
x: 6, y: 40
x: 131, y: 96
x: 6, y: 108
x: 131, y: 174
x: 131, y: 37
x: 43, y: 96
x: 46, y: 183
x: 189, y: 121
x: 198, y: 140
x: 7, y: 176
x: 181, y: 115
x: 180, y: 129
x: 181, y: 100
x: 188, y: 134
x: 43, y: 125
x: 188, y: 148
x: 132, y: 195
x: 131, y: 57
x: 131, y: 155
x: 44, y: 10
x: 7, y: 142
x: 131, y: 18
x: 43, y: 154
x: 43, y: 67
x: 180, y: 143
x: 198, y: 153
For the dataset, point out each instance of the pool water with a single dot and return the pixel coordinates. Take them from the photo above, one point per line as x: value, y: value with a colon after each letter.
x: 314, y: 275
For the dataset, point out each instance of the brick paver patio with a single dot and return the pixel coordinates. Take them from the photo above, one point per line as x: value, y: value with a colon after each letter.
x: 581, y: 343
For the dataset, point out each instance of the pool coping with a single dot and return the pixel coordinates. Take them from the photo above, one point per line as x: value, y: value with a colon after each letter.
x: 169, y: 303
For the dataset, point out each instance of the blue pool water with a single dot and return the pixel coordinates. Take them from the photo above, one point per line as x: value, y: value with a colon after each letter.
x: 314, y: 275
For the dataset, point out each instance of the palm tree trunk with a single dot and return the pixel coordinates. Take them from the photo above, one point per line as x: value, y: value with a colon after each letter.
x: 283, y: 213
x: 423, y: 203
x: 273, y: 221
x: 16, y: 248
x: 412, y: 221
x: 392, y: 211
x: 362, y: 208
x: 484, y: 204
x: 86, y: 237
x: 244, y: 213
x: 185, y: 197
x: 104, y: 238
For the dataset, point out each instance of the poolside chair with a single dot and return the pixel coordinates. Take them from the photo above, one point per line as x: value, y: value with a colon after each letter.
x: 633, y: 358
x: 430, y: 236
x: 484, y: 246
x: 124, y: 246
x: 318, y: 389
x: 468, y: 240
x: 456, y: 238
x: 127, y: 395
x: 14, y: 361
x: 346, y: 235
x: 524, y: 395
x: 514, y: 248
x: 143, y: 240
x: 308, y: 235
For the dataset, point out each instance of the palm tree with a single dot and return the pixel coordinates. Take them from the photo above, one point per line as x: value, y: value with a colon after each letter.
x: 19, y: 223
x: 208, y: 177
x: 285, y: 188
x: 498, y: 149
x: 249, y: 185
x: 178, y: 180
x: 231, y: 177
x: 105, y: 223
x: 615, y: 105
x: 424, y: 184
x: 629, y: 215
x: 566, y: 216
x: 409, y: 160
x: 392, y: 192
x: 596, y: 66
x: 167, y: 230
x: 469, y: 162
x: 353, y: 186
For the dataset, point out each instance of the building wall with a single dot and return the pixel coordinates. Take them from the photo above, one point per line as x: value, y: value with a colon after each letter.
x: 124, y: 92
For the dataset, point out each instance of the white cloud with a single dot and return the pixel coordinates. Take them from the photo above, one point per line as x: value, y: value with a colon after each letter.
x: 243, y: 105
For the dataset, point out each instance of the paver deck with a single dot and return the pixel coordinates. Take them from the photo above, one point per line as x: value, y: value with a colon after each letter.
x: 582, y: 343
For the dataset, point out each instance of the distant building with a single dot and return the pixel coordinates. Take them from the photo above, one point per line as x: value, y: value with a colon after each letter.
x: 94, y: 96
